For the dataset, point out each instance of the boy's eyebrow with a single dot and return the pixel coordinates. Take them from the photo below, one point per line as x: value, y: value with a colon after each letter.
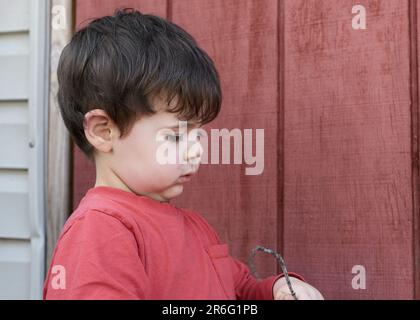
x: 176, y: 126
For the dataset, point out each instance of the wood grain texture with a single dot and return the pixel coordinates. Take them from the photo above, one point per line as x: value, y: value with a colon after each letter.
x: 348, y: 195
x: 92, y: 9
x: 415, y: 127
x: 59, y: 146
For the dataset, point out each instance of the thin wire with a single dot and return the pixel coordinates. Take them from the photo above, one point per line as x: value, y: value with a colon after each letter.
x: 280, y: 261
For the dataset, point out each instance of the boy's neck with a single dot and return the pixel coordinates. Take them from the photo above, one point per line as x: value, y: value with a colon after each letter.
x: 106, y: 177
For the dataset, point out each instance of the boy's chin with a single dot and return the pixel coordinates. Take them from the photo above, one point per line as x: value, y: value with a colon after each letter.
x: 173, y: 192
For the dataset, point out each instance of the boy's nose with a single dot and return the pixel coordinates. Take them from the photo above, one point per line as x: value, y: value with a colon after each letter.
x: 194, y: 153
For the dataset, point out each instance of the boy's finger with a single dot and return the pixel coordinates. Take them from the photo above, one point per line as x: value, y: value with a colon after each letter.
x: 284, y: 296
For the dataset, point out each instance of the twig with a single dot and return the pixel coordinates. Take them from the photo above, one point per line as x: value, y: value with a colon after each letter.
x: 280, y: 260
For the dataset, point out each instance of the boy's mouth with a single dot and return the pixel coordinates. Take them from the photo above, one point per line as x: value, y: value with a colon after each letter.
x: 185, y: 178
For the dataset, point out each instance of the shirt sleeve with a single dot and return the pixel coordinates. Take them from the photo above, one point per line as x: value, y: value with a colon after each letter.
x: 247, y: 287
x: 98, y: 257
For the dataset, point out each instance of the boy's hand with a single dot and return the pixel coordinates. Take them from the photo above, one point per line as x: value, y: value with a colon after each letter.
x: 303, y: 290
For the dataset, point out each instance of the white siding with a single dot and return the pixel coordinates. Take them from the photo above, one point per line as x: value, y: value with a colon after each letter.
x: 15, y: 260
x: 14, y: 144
x: 15, y: 15
x: 23, y: 47
x: 14, y: 76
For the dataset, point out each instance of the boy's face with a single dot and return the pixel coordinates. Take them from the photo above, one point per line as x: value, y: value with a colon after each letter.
x: 134, y: 165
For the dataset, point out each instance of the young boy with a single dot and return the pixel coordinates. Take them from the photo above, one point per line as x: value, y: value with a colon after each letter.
x: 125, y: 82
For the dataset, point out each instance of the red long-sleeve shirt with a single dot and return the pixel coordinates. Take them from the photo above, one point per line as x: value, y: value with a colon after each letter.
x: 118, y: 245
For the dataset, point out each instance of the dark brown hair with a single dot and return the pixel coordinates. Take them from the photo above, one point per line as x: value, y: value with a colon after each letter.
x: 119, y: 63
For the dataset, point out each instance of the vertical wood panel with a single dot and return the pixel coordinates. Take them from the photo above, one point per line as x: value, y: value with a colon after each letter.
x: 59, y: 151
x: 347, y: 147
x: 90, y: 9
x: 242, y: 40
x: 415, y: 127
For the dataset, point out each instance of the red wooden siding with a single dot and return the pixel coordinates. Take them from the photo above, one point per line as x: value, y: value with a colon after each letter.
x: 340, y: 112
x: 348, y: 197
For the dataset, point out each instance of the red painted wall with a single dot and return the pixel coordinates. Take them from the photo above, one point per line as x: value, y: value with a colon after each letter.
x: 339, y: 108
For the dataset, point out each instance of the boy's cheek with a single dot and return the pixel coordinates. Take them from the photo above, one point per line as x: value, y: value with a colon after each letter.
x: 141, y: 169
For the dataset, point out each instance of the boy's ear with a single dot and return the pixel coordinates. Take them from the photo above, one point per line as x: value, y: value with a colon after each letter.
x: 99, y: 130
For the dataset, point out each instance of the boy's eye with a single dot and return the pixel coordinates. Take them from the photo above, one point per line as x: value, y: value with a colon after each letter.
x: 173, y: 137
x: 198, y: 136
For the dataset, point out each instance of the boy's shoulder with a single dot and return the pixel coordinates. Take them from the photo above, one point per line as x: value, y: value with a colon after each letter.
x: 95, y: 220
x: 97, y: 213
